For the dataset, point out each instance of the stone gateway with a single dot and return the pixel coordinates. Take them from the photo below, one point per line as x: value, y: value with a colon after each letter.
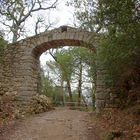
x: 20, y: 66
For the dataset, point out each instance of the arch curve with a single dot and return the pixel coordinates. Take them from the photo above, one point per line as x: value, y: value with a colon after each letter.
x: 63, y: 36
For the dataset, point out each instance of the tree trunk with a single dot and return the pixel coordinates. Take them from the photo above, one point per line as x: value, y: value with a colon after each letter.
x: 85, y: 102
x: 93, y: 94
x: 69, y: 90
x: 62, y: 92
x: 80, y: 84
x: 15, y: 30
x: 94, y: 80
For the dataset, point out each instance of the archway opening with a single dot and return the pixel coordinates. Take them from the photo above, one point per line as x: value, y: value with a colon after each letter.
x: 67, y: 75
x: 33, y: 48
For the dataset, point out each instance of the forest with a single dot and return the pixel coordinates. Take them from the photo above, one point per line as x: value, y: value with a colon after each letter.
x: 118, y: 26
x: 69, y: 75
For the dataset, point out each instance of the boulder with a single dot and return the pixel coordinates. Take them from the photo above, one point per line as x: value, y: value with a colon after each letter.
x: 39, y: 104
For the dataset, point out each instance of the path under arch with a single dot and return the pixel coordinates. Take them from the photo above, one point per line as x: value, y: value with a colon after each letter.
x: 59, y: 124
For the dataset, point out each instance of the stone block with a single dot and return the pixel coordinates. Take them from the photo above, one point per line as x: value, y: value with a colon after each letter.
x: 63, y: 35
x: 59, y: 37
x: 72, y: 35
x: 76, y: 36
x: 67, y: 35
x: 102, y: 95
x: 81, y: 36
x: 41, y: 39
x: 100, y: 105
x: 113, y: 95
x: 55, y: 36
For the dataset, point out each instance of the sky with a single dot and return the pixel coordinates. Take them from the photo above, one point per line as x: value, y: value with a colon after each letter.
x: 63, y: 15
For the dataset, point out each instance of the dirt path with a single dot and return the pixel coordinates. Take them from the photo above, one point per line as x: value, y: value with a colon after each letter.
x: 59, y: 124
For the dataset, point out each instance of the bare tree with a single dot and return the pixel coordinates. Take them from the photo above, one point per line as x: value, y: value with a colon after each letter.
x: 14, y: 13
x: 41, y: 25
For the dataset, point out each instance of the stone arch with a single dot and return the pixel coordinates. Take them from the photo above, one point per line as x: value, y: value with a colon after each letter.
x: 63, y: 36
x: 21, y: 62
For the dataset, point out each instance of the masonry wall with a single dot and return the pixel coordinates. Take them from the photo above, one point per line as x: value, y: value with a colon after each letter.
x: 18, y: 72
x: 20, y: 67
x: 1, y: 75
x: 105, y: 98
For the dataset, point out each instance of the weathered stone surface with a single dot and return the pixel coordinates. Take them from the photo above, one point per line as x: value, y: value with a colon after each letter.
x: 19, y: 71
x: 39, y: 104
x: 102, y: 95
x: 100, y: 105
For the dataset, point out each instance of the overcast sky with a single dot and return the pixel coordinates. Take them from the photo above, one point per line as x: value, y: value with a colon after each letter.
x: 63, y: 15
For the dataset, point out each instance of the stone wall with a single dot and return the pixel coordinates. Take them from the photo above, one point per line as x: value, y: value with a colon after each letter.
x: 105, y: 98
x: 20, y: 67
x: 19, y: 72
x: 1, y: 75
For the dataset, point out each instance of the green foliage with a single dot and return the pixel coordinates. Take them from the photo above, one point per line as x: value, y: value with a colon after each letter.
x: 117, y: 16
x: 121, y: 46
x: 117, y: 55
x: 65, y: 63
x: 47, y: 86
x: 85, y: 13
x: 71, y: 66
x: 51, y: 91
x: 118, y: 23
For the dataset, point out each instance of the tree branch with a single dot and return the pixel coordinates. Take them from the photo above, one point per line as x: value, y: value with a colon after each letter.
x: 37, y: 9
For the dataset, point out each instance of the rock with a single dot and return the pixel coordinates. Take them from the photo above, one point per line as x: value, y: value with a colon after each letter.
x: 114, y: 134
x: 12, y: 108
x: 90, y: 128
x: 9, y: 96
x: 39, y: 104
x: 136, y: 134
